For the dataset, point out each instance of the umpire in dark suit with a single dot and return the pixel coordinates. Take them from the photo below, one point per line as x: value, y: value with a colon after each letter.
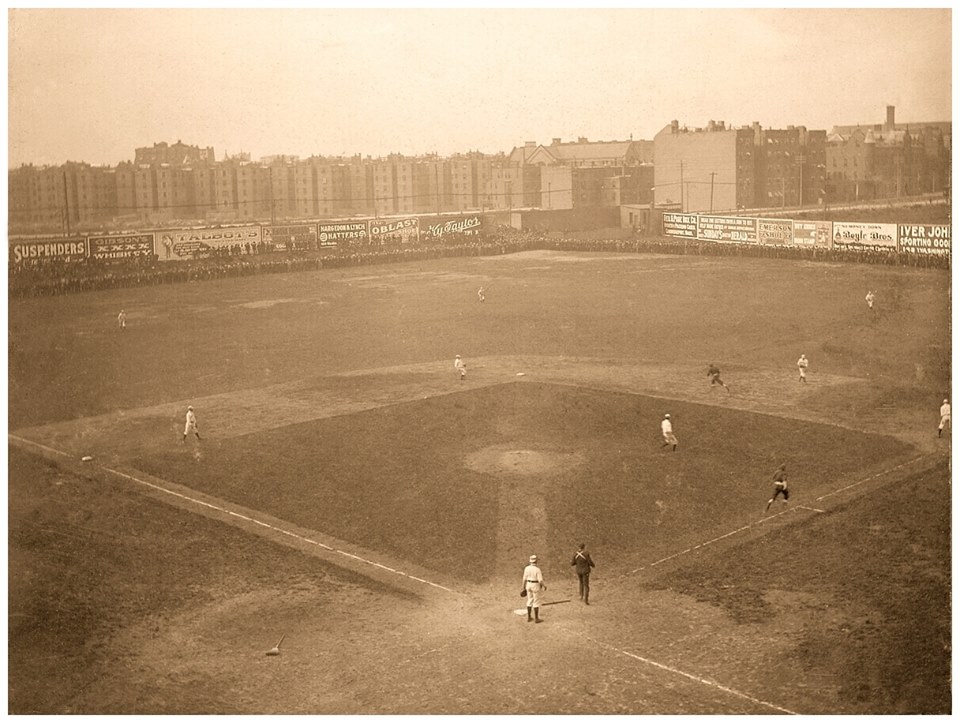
x: 583, y: 563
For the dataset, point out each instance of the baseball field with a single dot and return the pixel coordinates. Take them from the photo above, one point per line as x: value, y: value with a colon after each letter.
x: 359, y: 508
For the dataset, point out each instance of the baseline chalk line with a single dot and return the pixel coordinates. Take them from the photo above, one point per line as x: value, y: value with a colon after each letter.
x: 695, y: 678
x: 245, y: 518
x: 769, y: 517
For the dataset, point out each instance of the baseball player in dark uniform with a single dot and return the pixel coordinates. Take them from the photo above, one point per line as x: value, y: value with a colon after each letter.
x: 779, y: 486
x: 714, y: 373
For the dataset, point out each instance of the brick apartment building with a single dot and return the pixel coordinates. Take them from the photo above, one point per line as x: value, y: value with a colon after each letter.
x: 721, y: 168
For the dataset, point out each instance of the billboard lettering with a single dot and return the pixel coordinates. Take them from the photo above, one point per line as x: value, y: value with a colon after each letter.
x: 812, y: 233
x: 401, y: 230
x: 36, y: 250
x: 683, y: 225
x: 199, y: 243
x: 735, y: 229
x: 283, y: 238
x: 774, y: 232
x: 876, y: 236
x: 332, y: 234
x: 925, y: 239
x: 120, y: 247
x: 465, y: 226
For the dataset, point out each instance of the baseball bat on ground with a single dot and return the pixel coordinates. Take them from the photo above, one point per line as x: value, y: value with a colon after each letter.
x: 275, y: 650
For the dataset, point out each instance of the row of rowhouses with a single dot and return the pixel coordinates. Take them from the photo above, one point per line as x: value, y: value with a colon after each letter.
x: 716, y: 168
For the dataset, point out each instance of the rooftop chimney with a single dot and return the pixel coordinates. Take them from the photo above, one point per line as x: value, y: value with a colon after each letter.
x: 529, y: 144
x: 582, y: 139
x: 674, y: 126
x: 890, y: 124
x: 556, y: 141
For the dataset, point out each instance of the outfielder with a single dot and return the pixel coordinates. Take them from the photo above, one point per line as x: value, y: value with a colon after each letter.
x: 459, y: 365
x: 122, y: 319
x: 190, y: 425
x: 944, y: 417
x: 480, y: 297
x: 869, y: 299
x: 802, y: 365
x: 714, y: 373
x: 533, y: 584
x: 666, y: 426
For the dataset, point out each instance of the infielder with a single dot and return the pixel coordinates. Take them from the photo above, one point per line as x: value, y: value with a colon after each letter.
x: 460, y: 367
x: 666, y: 426
x: 802, y: 365
x: 480, y: 297
x: 583, y: 562
x: 714, y: 373
x: 122, y: 319
x: 779, y: 486
x: 944, y: 417
x: 869, y: 298
x: 191, y: 425
x: 533, y: 584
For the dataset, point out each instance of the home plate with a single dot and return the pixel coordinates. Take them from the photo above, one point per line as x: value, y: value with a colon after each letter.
x: 520, y: 611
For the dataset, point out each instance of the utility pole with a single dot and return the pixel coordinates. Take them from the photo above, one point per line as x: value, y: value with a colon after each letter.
x: 712, y: 174
x: 783, y: 192
x: 66, y: 203
x: 800, y: 160
x: 436, y: 170
x: 681, y: 186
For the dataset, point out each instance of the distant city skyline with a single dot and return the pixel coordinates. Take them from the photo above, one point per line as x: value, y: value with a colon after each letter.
x: 93, y: 85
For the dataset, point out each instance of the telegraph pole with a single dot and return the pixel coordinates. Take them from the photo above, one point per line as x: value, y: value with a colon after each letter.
x: 681, y: 186
x: 712, y: 174
x: 436, y: 175
x: 800, y: 160
x: 66, y: 203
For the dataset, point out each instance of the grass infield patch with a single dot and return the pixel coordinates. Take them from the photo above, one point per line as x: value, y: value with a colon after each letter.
x: 405, y: 479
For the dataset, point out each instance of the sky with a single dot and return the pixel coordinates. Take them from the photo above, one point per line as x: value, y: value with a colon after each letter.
x: 94, y: 84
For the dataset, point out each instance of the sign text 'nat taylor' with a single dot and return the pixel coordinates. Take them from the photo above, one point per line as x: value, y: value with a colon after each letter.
x: 467, y: 226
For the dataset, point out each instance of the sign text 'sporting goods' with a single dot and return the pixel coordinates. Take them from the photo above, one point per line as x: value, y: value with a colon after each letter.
x: 461, y: 225
x: 399, y: 230
x: 121, y: 247
x: 335, y: 234
x: 875, y: 236
x: 925, y: 239
x: 812, y: 233
x: 199, y: 243
x: 42, y: 250
x: 774, y: 232
x: 683, y: 225
x: 727, y: 228
x: 285, y: 238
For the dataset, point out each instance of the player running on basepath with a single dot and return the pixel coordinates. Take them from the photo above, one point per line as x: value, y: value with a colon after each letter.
x: 714, y: 373
x: 779, y: 486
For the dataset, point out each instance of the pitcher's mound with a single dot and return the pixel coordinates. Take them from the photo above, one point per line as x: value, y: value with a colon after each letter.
x: 500, y: 460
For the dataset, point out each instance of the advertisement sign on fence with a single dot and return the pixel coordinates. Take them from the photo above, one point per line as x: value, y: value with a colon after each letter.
x: 727, y: 228
x: 201, y: 243
x: 300, y: 237
x: 774, y: 232
x: 458, y: 226
x: 925, y: 239
x: 334, y: 234
x: 683, y: 225
x: 44, y: 249
x: 121, y: 247
x: 397, y: 230
x: 812, y: 233
x: 876, y: 236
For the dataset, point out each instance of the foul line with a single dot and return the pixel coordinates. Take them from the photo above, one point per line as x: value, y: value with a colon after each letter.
x: 770, y: 517
x: 282, y: 531
x: 246, y: 518
x: 696, y: 678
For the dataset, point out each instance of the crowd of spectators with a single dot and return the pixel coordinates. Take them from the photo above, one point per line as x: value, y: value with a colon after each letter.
x: 52, y: 278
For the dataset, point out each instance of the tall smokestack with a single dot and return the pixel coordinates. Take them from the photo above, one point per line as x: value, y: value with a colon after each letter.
x: 890, y: 124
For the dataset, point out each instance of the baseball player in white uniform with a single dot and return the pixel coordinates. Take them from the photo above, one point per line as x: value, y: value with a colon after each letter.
x: 944, y: 417
x: 122, y: 319
x: 190, y: 425
x: 459, y: 365
x: 869, y: 299
x: 666, y: 426
x: 533, y: 584
x: 802, y: 365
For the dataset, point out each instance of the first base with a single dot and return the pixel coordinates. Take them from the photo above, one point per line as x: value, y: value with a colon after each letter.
x: 86, y: 459
x: 521, y: 374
